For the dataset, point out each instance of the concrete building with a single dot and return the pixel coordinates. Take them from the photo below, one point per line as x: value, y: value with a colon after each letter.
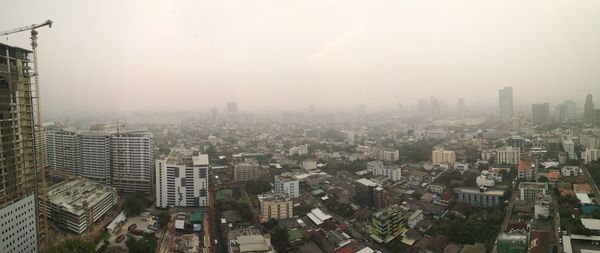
x: 567, y: 111
x: 370, y: 194
x: 387, y: 224
x: 505, y: 103
x: 439, y: 156
x: 249, y: 240
x: 275, y: 206
x: 597, y: 118
x: 299, y: 150
x: 287, y: 184
x: 532, y: 191
x: 392, y: 172
x: 588, y: 113
x: 525, y: 170
x: 508, y: 155
x: 76, y: 204
x: 570, y: 171
x: 514, y: 242
x: 247, y: 171
x: 385, y: 154
x: 182, y: 179
x: 132, y: 161
x: 415, y: 218
x: 19, y: 229
x: 590, y: 155
x: 540, y: 113
x: 480, y: 197
x: 317, y: 216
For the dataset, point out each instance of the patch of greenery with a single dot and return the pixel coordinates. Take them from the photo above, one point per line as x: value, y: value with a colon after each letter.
x: 481, y: 226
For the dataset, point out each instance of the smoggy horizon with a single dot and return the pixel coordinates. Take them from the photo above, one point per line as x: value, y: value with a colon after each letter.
x: 120, y: 57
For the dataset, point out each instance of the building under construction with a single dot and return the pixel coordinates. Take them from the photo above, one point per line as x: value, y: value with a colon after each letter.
x: 18, y: 232
x: 76, y: 204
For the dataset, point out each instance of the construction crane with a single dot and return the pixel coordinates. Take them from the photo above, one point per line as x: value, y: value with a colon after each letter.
x: 38, y: 124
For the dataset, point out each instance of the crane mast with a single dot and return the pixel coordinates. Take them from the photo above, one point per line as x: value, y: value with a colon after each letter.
x: 40, y: 141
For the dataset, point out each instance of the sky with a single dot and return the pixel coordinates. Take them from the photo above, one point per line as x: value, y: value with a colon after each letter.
x: 122, y: 56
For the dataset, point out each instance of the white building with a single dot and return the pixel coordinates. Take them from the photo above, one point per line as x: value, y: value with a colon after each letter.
x: 485, y: 179
x: 18, y: 232
x: 299, y: 150
x: 439, y: 156
x: 385, y: 154
x: 392, y: 172
x: 508, y: 155
x: 182, y: 179
x: 590, y: 155
x: 132, y: 161
x: 461, y: 167
x: 287, y: 184
x: 569, y: 146
x: 570, y: 171
x: 415, y: 218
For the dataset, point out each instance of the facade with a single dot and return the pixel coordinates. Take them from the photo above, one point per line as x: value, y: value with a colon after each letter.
x: 276, y: 206
x: 439, y: 156
x: 182, y: 179
x: 479, y: 197
x: 287, y: 184
x: 299, y: 150
x: 247, y: 171
x: 132, y: 161
x: 387, y: 224
x: 567, y: 111
x: 392, y: 172
x: 514, y: 242
x: 19, y: 231
x: 370, y: 194
x: 415, y: 218
x: 590, y: 155
x: 525, y: 170
x: 532, y: 191
x: 385, y: 154
x: 588, y: 113
x: 597, y: 118
x: 76, y: 204
x: 541, y: 113
x: 249, y: 240
x: 508, y: 155
x: 505, y: 105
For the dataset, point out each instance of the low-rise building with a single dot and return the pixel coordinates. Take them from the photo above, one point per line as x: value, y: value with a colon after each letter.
x: 76, y: 204
x: 250, y: 241
x: 387, y: 224
x: 570, y: 171
x: 514, y: 242
x: 247, y: 171
x: 525, y: 170
x: 392, y: 172
x: 532, y: 191
x: 508, y: 155
x: 480, y: 197
x: 439, y: 156
x: 299, y: 150
x: 415, y: 218
x: 275, y: 206
x: 287, y: 184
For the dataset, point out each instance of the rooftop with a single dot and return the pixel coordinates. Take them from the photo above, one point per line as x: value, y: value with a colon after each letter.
x: 367, y: 182
x: 533, y: 185
x: 78, y: 195
x: 497, y: 192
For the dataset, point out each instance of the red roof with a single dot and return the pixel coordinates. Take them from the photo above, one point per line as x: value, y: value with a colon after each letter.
x: 447, y: 196
x: 347, y: 249
x: 524, y: 165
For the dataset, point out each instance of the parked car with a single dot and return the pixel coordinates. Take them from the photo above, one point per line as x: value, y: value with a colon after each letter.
x: 132, y: 227
x: 120, y: 238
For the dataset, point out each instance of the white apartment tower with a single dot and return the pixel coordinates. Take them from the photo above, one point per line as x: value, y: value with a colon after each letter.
x: 288, y: 185
x: 508, y: 155
x: 439, y: 156
x: 182, y: 179
x: 132, y: 161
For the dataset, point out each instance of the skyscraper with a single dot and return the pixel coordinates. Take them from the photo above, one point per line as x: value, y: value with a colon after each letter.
x: 461, y: 105
x: 435, y: 107
x: 588, y: 114
x: 18, y: 232
x: 541, y: 113
x: 232, y: 107
x: 505, y: 105
x: 567, y: 111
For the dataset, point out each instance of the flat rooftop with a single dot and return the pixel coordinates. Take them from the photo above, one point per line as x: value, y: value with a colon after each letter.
x: 77, y: 195
x: 367, y: 182
x: 533, y: 185
x: 468, y: 190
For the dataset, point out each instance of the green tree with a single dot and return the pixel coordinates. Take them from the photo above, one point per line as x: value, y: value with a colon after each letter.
x: 258, y: 186
x: 163, y: 218
x: 146, y: 244
x: 279, y: 239
x: 135, y: 203
x: 75, y: 245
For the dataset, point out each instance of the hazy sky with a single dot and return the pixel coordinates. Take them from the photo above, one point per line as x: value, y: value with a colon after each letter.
x: 118, y: 56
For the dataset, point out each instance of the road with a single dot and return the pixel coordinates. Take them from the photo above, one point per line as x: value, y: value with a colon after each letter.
x: 509, y: 210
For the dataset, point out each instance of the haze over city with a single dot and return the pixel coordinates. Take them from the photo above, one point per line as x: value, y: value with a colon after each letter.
x: 125, y: 56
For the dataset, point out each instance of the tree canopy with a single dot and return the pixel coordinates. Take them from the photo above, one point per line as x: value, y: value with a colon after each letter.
x: 74, y: 245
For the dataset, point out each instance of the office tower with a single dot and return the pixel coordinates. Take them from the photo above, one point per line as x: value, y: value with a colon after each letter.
x: 505, y: 104
x: 370, y: 194
x: 434, y: 104
x: 18, y: 229
x: 588, y: 113
x: 231, y: 107
x: 541, y: 113
x: 62, y: 155
x: 508, y: 155
x: 439, y: 156
x: 461, y: 105
x: 570, y: 111
x: 275, y: 206
x: 182, y: 179
x: 132, y: 161
x: 287, y: 184
x: 213, y: 114
x: 387, y: 224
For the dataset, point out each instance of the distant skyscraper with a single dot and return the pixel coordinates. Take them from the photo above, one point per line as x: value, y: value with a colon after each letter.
x: 213, y: 114
x: 596, y: 118
x: 362, y: 109
x: 588, y: 113
x: 435, y: 107
x: 422, y: 105
x: 505, y: 105
x: 231, y: 107
x: 461, y: 105
x: 17, y: 157
x: 568, y: 111
x: 541, y: 113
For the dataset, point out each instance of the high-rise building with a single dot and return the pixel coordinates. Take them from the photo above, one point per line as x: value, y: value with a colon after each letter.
x: 19, y: 226
x: 378, y: 168
x: 590, y: 155
x: 385, y: 154
x: 422, y: 105
x: 596, y: 118
x: 541, y: 113
x: 275, y: 206
x: 505, y: 103
x: 247, y: 171
x: 287, y: 184
x: 387, y: 224
x: 370, y: 194
x: 182, y: 179
x: 231, y: 107
x: 508, y: 155
x: 460, y: 104
x: 123, y: 159
x: 439, y: 156
x: 588, y: 113
x: 570, y: 110
x: 435, y: 107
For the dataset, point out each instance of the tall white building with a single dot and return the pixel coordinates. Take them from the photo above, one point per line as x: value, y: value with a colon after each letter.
x: 508, y: 155
x: 287, y: 184
x: 182, y: 179
x: 590, y: 155
x: 378, y: 168
x: 439, y: 156
x: 299, y: 150
x: 124, y: 160
x: 385, y: 154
